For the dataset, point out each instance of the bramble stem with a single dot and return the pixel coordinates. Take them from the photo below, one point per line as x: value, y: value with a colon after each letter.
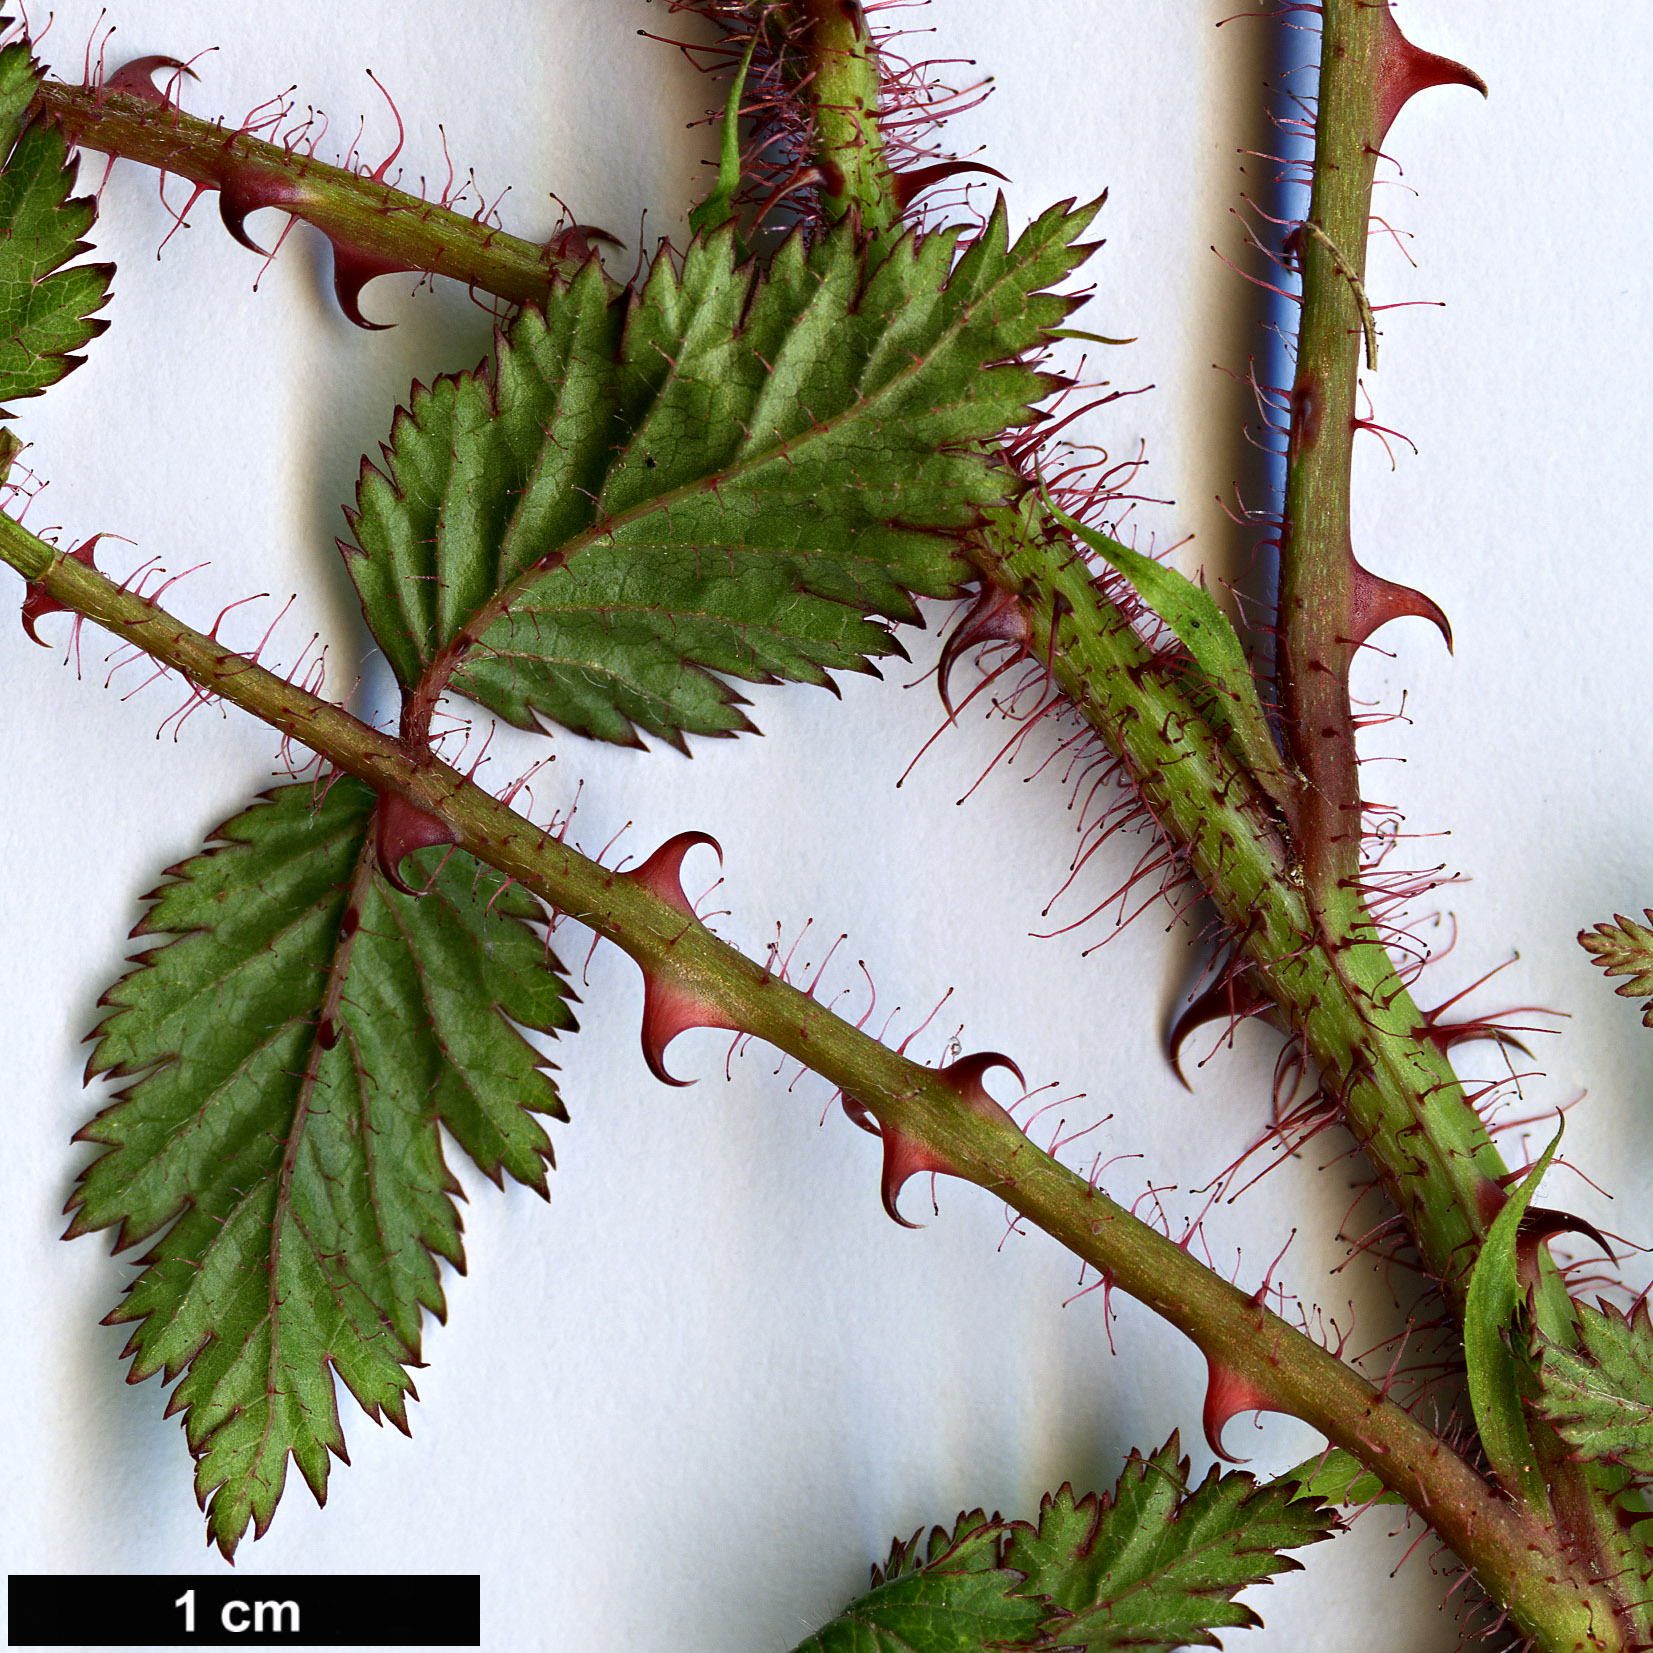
x: 356, y: 210
x: 1518, y: 1561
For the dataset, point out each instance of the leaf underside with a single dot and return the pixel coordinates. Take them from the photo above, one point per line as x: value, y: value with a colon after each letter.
x: 720, y: 475
x: 1600, y: 1396
x: 293, y: 1052
x: 1154, y: 1567
x: 47, y: 311
x: 1625, y: 948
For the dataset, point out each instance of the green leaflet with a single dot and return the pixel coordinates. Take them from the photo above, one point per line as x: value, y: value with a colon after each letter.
x: 46, y: 311
x: 1600, y: 1398
x: 720, y: 473
x: 1625, y: 948
x: 1159, y: 1566
x: 958, y: 1598
x: 1155, y: 1567
x: 294, y: 1051
x: 1490, y: 1312
x: 1340, y: 1477
x: 1205, y: 631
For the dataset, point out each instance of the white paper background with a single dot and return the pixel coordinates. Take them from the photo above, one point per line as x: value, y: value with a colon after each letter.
x: 687, y: 1404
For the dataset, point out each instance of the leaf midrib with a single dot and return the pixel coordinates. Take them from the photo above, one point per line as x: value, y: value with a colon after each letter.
x: 445, y: 662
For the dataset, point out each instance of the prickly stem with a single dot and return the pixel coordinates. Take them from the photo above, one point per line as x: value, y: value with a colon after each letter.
x: 1521, y: 1564
x: 367, y: 221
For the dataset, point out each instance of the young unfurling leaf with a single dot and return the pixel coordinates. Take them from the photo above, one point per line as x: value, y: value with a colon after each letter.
x: 295, y: 1052
x: 1625, y: 948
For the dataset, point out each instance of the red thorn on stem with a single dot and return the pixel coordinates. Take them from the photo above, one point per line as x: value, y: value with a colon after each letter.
x: 1232, y: 997
x: 904, y: 1158
x: 1444, y: 1036
x: 400, y: 828
x: 243, y: 193
x: 137, y: 78
x: 662, y: 873
x: 997, y: 616
x: 670, y: 1008
x: 1541, y: 1223
x: 1404, y: 70
x: 38, y: 602
x: 1378, y: 601
x: 909, y: 185
x: 1226, y: 1394
x: 352, y: 270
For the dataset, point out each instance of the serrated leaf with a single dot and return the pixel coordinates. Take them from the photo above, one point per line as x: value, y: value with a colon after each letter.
x: 47, y: 311
x: 1207, y: 633
x: 1155, y: 1566
x: 722, y: 475
x: 1339, y: 1477
x: 958, y: 1598
x: 1491, y: 1307
x: 1600, y: 1396
x: 1158, y: 1566
x: 1625, y: 948
x: 294, y: 1050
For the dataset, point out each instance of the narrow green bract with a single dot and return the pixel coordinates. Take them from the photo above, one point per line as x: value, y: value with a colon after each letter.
x: 294, y: 1051
x: 46, y: 311
x: 1157, y: 1566
x: 1491, y: 1313
x: 721, y: 473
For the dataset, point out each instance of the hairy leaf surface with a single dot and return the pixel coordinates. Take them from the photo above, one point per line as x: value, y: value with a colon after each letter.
x: 294, y: 1051
x: 47, y: 311
x: 1154, y: 1567
x: 1159, y: 1565
x: 1600, y: 1396
x: 720, y: 475
x: 1625, y: 948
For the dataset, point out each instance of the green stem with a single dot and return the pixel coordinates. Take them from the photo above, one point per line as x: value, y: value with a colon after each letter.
x: 353, y: 210
x: 1519, y: 1563
x: 842, y: 89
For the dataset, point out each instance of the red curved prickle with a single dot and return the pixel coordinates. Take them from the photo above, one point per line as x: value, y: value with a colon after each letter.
x: 244, y: 193
x: 1404, y: 70
x: 1541, y: 1224
x: 38, y: 602
x: 1232, y: 997
x: 137, y: 78
x: 1377, y: 601
x: 352, y: 270
x: 914, y: 181
x: 904, y: 1158
x: 1226, y: 1395
x: 1445, y: 1036
x: 669, y: 1008
x: 400, y: 828
x: 662, y: 873
x: 996, y: 616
